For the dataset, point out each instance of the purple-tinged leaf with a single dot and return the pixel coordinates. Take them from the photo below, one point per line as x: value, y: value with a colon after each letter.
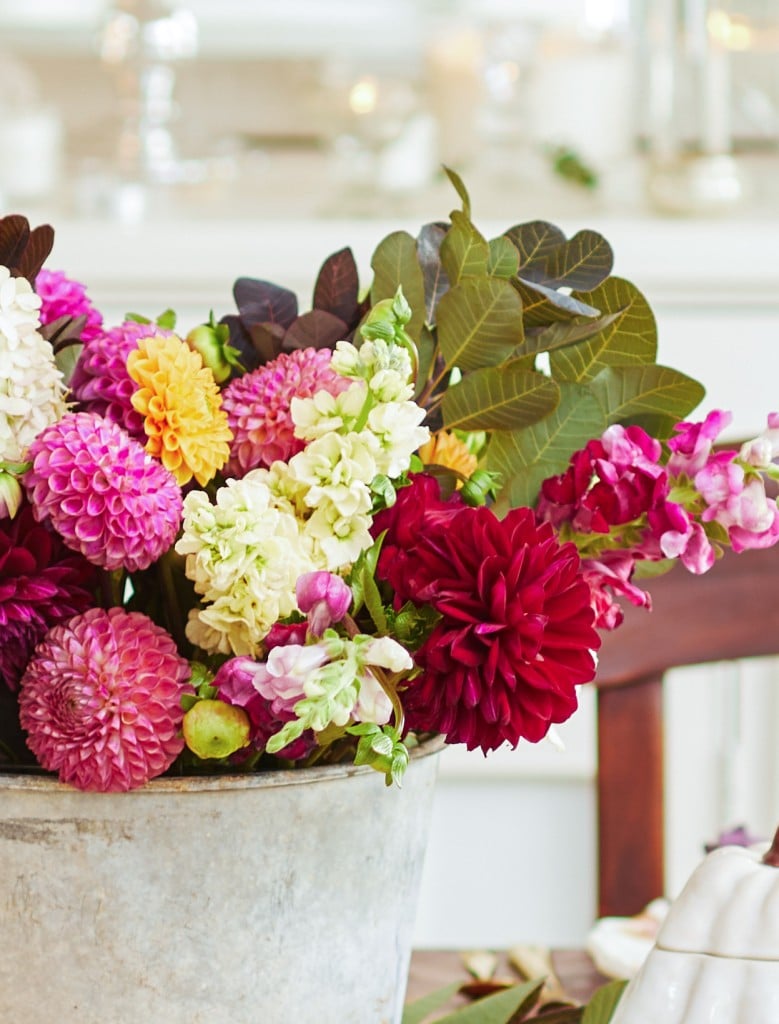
x: 429, y: 255
x: 267, y: 340
x: 240, y: 339
x: 261, y: 302
x: 36, y: 252
x: 14, y: 235
x: 337, y: 286
x: 317, y: 329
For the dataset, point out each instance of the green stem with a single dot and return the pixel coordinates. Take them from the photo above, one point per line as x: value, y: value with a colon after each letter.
x: 384, y: 681
x: 170, y: 601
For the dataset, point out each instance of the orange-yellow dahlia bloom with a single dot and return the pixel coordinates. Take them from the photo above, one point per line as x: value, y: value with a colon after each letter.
x: 446, y: 449
x: 184, y: 421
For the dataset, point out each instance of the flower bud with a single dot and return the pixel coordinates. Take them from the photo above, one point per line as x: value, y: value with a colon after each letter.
x: 10, y: 495
x: 324, y: 597
x: 213, y: 729
x: 212, y: 342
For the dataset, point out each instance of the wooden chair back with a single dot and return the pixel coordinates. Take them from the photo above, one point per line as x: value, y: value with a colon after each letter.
x: 730, y: 613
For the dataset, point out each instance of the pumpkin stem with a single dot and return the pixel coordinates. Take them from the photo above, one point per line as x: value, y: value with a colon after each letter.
x: 772, y: 855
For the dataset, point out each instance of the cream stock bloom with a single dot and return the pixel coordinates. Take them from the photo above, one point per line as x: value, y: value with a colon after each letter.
x: 31, y: 387
x: 244, y: 554
x: 387, y: 368
x: 396, y: 426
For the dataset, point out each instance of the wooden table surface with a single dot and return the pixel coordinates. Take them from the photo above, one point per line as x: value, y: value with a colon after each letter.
x: 433, y: 969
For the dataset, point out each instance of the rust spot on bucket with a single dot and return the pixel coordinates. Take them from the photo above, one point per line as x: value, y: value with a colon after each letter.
x: 53, y: 830
x: 25, y: 830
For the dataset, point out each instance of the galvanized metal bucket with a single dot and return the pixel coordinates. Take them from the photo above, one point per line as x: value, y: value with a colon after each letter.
x: 278, y: 898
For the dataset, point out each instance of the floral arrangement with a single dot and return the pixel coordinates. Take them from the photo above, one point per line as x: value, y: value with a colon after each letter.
x: 283, y: 539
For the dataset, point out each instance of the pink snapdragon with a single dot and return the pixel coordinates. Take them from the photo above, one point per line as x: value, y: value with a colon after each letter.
x: 739, y: 504
x: 692, y: 446
x: 324, y: 597
x: 611, y: 481
x: 761, y: 451
x: 673, y: 533
x: 610, y: 574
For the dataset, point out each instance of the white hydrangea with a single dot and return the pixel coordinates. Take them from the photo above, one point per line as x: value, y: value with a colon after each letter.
x: 244, y: 555
x: 32, y: 390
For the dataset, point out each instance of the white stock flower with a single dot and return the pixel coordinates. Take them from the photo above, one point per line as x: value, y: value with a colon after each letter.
x: 338, y: 539
x: 396, y: 425
x: 324, y: 413
x: 338, y: 468
x: 244, y: 555
x: 31, y: 387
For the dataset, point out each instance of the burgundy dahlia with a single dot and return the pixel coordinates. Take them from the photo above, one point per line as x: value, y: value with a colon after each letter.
x: 516, y: 632
x: 104, y: 495
x: 101, y: 700
x: 235, y: 683
x: 258, y: 406
x: 42, y: 583
x: 100, y: 381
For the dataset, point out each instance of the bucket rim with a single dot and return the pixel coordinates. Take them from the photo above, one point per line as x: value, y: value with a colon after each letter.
x: 47, y: 783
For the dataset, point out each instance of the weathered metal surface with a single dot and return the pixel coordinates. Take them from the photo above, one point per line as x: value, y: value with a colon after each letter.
x: 286, y: 898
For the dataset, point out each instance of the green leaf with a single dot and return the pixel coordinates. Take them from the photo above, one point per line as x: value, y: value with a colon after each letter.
x: 500, y: 1008
x: 394, y: 264
x: 561, y: 333
x: 503, y: 258
x: 479, y: 323
x: 545, y: 306
x: 535, y: 240
x: 600, y: 1008
x: 426, y: 348
x: 631, y: 337
x: 503, y: 397
x: 583, y: 262
x: 646, y: 394
x: 461, y: 190
x: 526, y: 457
x: 464, y: 251
x: 416, y: 1012
x: 373, y: 601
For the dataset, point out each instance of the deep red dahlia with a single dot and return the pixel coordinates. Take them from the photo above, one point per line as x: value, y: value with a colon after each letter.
x: 418, y: 509
x: 516, y: 635
x: 42, y: 582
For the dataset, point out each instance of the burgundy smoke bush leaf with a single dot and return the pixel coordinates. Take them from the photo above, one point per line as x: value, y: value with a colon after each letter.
x: 316, y: 329
x: 21, y: 250
x: 337, y: 286
x: 263, y: 302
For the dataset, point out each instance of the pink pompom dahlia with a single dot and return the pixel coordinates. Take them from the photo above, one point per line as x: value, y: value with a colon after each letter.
x: 62, y: 296
x: 101, y: 382
x: 258, y: 406
x: 516, y: 633
x: 101, y: 700
x: 104, y: 495
x: 42, y: 583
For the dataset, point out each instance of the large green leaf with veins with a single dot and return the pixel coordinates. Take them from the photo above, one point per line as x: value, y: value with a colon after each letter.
x: 653, y: 396
x: 631, y: 337
x: 499, y: 398
x: 524, y: 458
x: 479, y: 323
x: 395, y: 264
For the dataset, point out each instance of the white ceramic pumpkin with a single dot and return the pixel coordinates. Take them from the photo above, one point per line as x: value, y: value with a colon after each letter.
x: 716, y: 958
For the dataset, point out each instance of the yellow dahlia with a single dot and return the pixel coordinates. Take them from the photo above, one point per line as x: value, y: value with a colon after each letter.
x: 446, y: 449
x: 177, y: 395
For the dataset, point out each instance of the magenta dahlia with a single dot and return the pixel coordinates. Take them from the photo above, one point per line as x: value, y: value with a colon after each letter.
x: 104, y: 495
x: 100, y: 381
x: 235, y: 681
x: 42, y: 583
x: 101, y: 700
x: 516, y: 633
x: 258, y: 406
x: 62, y: 296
